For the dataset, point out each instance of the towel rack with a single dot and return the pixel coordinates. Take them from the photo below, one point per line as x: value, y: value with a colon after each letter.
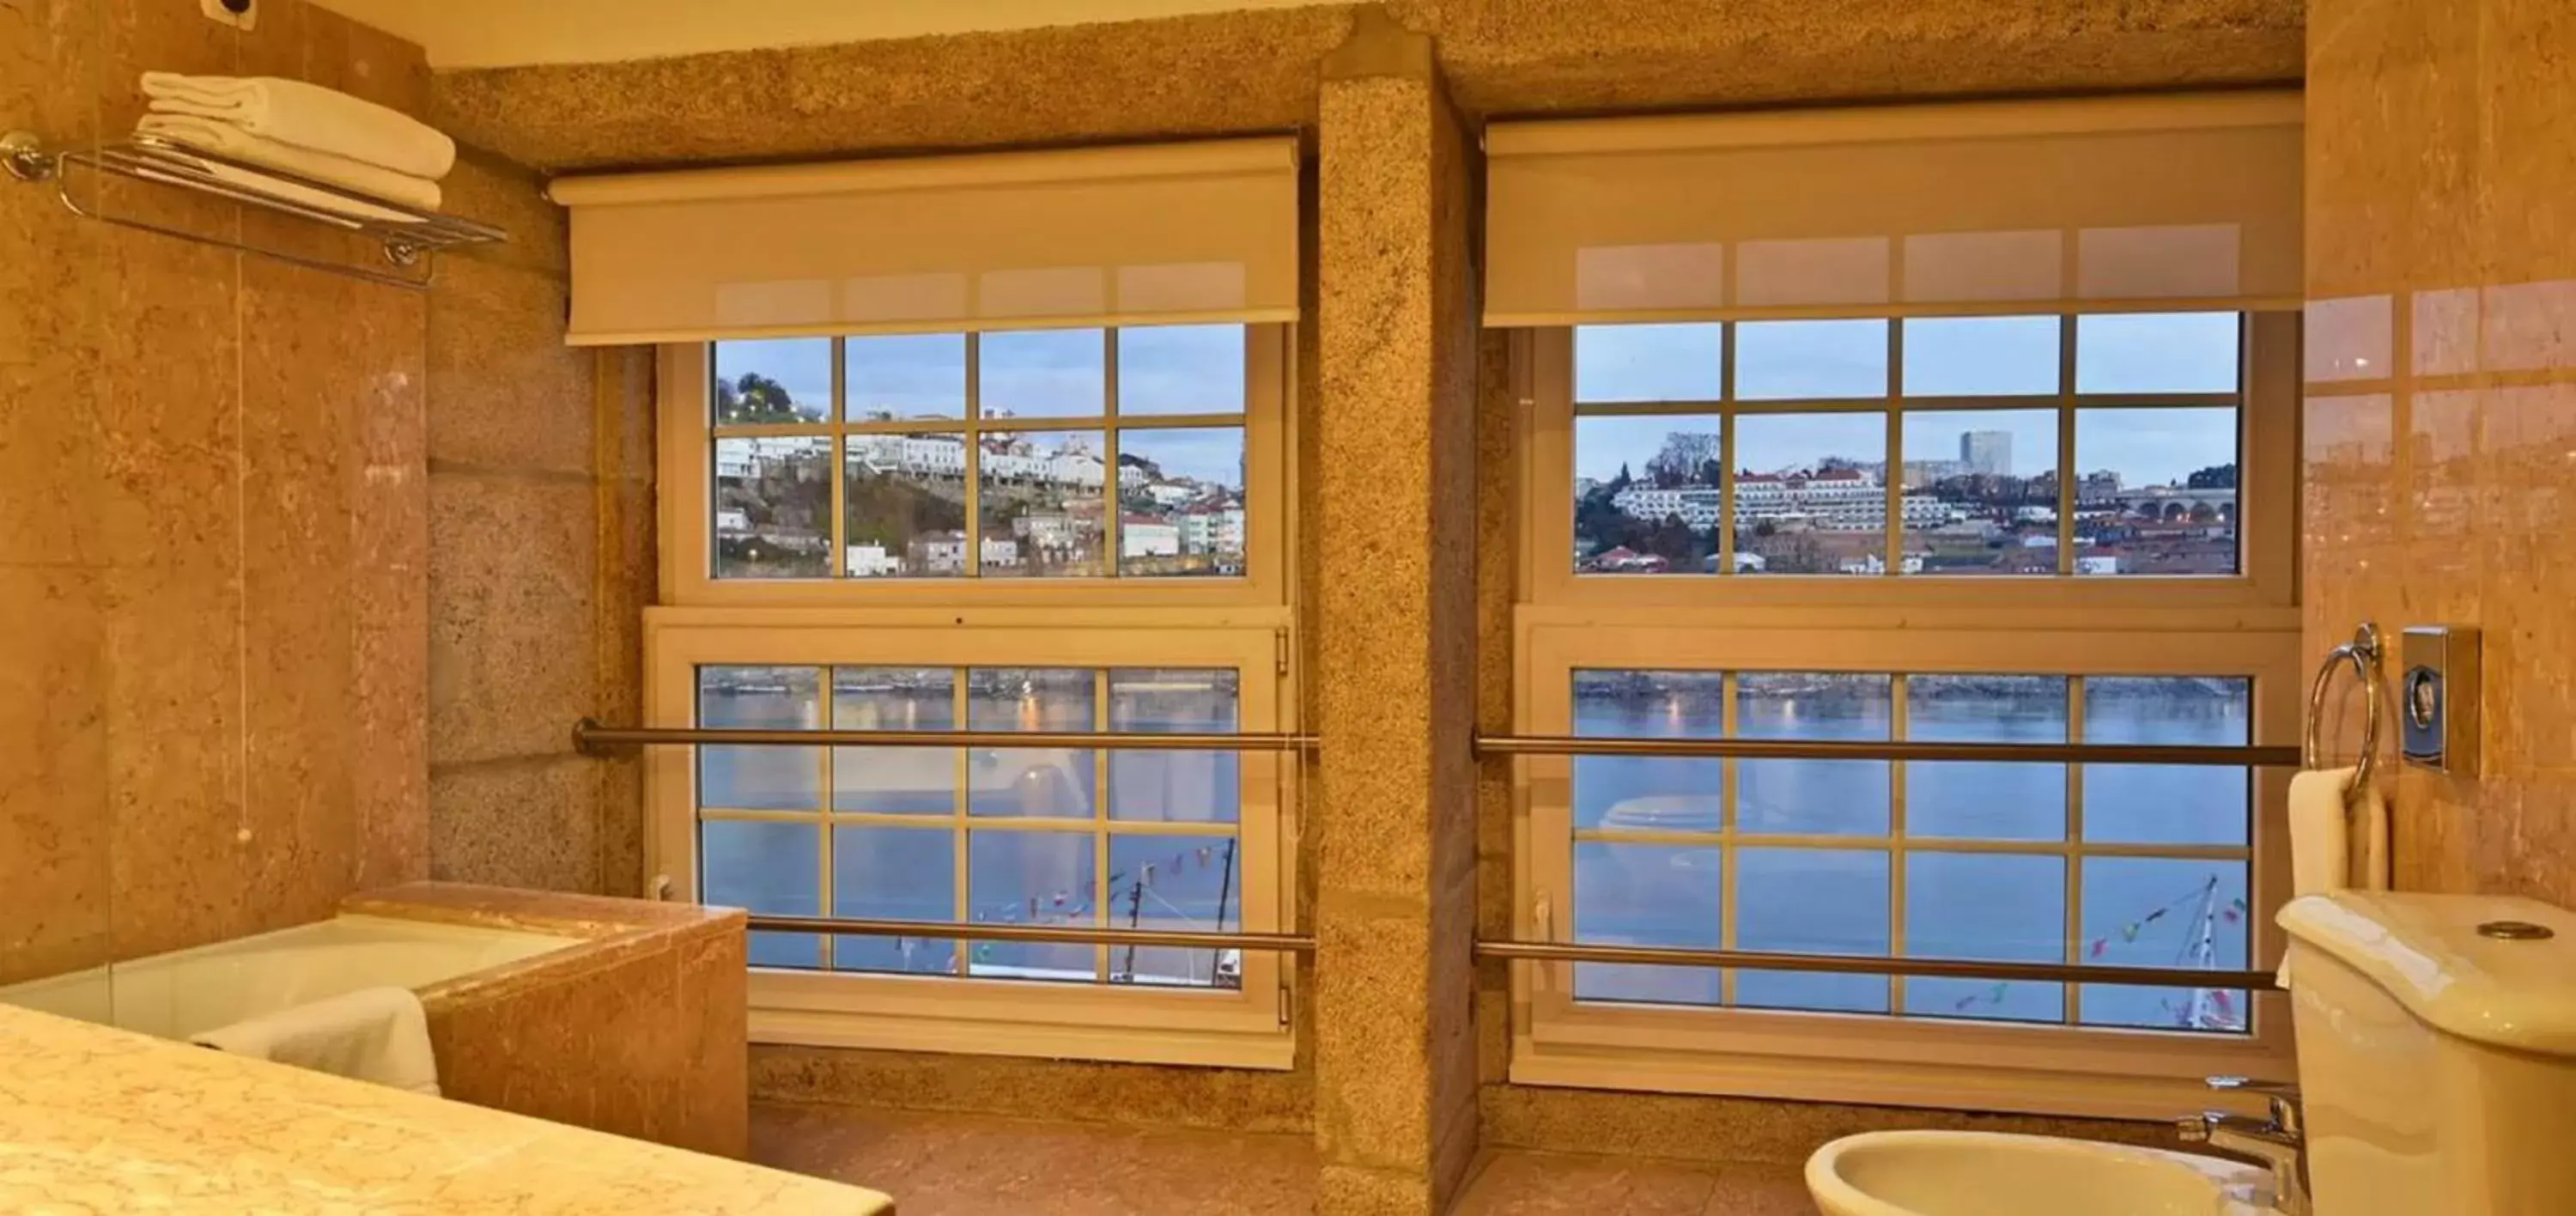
x: 2362, y: 655
x: 406, y: 241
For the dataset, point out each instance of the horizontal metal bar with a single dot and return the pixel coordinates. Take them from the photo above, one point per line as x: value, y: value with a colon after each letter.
x: 1284, y: 943
x: 590, y: 736
x: 1844, y: 964
x: 1816, y: 749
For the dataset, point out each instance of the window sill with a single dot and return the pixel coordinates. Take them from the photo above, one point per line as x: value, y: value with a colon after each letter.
x: 1969, y: 1075
x: 1062, y: 1022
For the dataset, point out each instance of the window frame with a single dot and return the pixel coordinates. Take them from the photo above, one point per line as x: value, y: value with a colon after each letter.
x: 686, y: 468
x: 1242, y: 622
x: 1139, y: 1023
x: 2246, y: 624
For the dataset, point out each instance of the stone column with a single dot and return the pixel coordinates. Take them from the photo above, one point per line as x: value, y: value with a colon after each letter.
x: 1391, y: 569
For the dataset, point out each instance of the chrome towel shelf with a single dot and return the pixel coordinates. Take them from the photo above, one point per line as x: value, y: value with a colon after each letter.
x: 406, y: 235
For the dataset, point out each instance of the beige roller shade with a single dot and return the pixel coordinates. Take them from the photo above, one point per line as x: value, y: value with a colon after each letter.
x: 1184, y: 232
x: 2113, y: 203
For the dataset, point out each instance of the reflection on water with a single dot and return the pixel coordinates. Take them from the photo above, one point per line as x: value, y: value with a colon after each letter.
x: 1986, y: 906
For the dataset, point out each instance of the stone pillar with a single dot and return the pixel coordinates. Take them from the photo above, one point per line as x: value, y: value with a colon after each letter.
x: 1391, y: 572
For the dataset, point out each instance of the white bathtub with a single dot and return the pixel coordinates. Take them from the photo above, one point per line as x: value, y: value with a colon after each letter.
x: 191, y: 991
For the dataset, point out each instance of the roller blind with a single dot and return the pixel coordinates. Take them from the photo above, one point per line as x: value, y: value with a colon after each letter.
x: 2117, y: 203
x: 1109, y: 236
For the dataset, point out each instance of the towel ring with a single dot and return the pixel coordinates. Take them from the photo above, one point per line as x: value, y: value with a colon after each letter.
x: 2362, y: 653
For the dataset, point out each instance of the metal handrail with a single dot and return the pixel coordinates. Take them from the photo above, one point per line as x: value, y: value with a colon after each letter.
x: 1811, y: 749
x: 593, y: 738
x: 1844, y: 964
x: 1072, y: 935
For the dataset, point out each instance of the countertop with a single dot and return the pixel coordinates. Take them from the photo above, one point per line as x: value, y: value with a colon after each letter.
x: 100, y: 1120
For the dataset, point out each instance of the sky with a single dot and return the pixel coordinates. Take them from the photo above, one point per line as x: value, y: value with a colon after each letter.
x: 1983, y: 356
x: 1032, y: 374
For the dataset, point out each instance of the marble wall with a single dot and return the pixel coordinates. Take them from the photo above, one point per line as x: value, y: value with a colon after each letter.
x: 540, y: 561
x: 2441, y: 398
x: 213, y: 524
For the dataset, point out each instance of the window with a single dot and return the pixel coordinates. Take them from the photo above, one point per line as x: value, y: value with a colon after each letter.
x: 1919, y: 528
x: 981, y: 456
x: 1045, y: 530
x: 2101, y: 444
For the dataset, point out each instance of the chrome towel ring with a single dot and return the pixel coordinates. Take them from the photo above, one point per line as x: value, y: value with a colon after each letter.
x: 2362, y: 654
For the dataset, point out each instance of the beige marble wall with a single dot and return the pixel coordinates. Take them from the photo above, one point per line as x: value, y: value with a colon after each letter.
x: 212, y: 525
x: 1391, y: 559
x: 2441, y: 408
x: 541, y: 561
x: 1225, y: 73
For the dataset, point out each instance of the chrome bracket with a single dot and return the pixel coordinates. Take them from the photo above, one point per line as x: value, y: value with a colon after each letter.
x: 24, y: 157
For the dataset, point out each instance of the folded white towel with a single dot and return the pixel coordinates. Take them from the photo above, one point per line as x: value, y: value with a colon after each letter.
x: 308, y: 116
x: 232, y: 142
x: 256, y: 182
x: 378, y: 1035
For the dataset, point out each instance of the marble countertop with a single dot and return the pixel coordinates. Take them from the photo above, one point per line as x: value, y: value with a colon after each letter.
x: 99, y: 1120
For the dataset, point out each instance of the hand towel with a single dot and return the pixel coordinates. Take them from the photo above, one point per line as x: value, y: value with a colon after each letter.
x: 308, y: 116
x: 378, y: 1035
x: 2320, y: 831
x: 232, y: 142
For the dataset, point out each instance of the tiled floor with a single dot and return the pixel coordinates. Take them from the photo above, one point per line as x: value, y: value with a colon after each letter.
x: 958, y: 1165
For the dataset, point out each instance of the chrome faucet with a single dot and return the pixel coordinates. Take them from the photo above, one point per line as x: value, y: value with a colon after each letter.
x: 2280, y: 1143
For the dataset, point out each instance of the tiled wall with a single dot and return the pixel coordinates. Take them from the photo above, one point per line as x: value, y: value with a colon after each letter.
x: 213, y: 525
x: 273, y: 542
x: 2441, y: 399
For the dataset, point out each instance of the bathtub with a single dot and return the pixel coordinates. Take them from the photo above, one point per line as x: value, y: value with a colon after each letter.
x: 189, y: 992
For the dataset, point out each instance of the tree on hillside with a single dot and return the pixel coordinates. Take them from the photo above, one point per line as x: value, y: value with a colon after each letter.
x: 755, y: 399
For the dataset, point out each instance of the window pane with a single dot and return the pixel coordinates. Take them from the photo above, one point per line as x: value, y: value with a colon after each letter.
x: 1811, y: 901
x: 2188, y: 352
x: 1193, y: 884
x: 2165, y: 912
x: 1641, y: 793
x: 2158, y: 491
x: 1029, y: 782
x: 1647, y: 895
x: 1041, y: 507
x: 1168, y: 786
x: 1808, y: 499
x: 1838, y: 797
x: 1981, y: 356
x: 1802, y: 360
x: 1648, y: 362
x: 1992, y: 908
x: 2163, y: 803
x: 906, y: 497
x: 894, y: 874
x: 894, y: 780
x: 1180, y: 501
x: 1043, y: 373
x: 773, y: 508
x: 761, y: 698
x: 1976, y: 799
x: 1981, y: 492
x: 772, y: 380
x: 902, y: 377
x: 772, y: 868
x: 1647, y: 495
x: 1180, y: 369
x: 1031, y: 878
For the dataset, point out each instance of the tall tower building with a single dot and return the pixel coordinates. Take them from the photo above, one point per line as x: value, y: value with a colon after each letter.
x: 1986, y: 452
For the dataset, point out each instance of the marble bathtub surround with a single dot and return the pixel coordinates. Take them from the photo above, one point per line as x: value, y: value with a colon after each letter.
x: 640, y: 1031
x: 102, y: 1120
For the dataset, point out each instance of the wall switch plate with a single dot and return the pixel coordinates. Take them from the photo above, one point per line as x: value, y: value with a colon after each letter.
x: 239, y: 14
x: 2437, y: 699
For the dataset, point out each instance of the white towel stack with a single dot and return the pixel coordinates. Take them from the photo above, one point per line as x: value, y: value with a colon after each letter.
x: 301, y: 129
